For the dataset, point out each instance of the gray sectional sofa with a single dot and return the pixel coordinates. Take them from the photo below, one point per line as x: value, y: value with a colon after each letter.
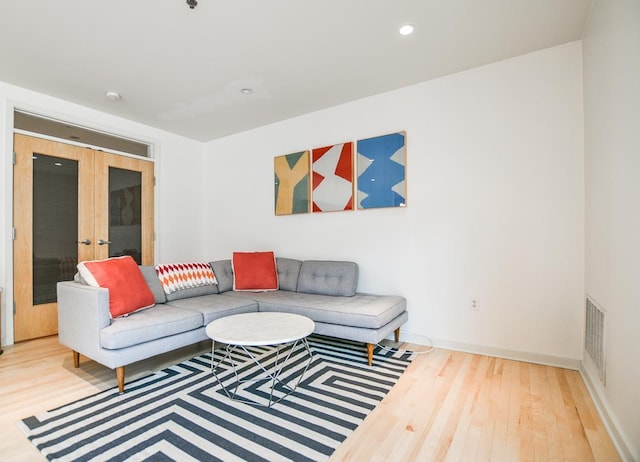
x: 324, y: 291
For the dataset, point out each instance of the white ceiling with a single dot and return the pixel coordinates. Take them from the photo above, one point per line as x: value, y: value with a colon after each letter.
x: 182, y: 70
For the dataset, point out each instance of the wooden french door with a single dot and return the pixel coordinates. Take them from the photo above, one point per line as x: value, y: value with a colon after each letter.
x: 72, y: 204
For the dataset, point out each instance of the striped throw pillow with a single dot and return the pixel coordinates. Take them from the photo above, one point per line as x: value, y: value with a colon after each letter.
x: 178, y: 276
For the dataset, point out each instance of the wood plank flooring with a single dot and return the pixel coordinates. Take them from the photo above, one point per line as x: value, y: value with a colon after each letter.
x: 448, y: 406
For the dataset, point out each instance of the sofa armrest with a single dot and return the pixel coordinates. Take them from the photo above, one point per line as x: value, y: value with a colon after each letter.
x: 83, y: 311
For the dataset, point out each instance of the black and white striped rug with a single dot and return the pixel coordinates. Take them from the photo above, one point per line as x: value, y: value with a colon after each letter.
x: 181, y: 413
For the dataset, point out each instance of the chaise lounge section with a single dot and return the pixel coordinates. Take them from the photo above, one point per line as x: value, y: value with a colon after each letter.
x: 324, y: 291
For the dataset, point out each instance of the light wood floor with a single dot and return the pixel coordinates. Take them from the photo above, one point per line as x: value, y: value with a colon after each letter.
x: 448, y: 406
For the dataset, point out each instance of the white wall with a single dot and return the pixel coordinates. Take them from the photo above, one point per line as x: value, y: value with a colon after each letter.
x: 611, y: 48
x: 495, y: 204
x: 179, y: 188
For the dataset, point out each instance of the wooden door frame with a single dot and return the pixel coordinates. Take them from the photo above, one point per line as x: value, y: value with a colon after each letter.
x: 14, y: 103
x: 102, y: 202
x: 24, y: 147
x: 130, y: 162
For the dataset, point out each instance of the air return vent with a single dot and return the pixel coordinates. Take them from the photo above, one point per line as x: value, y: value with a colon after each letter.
x: 594, y: 337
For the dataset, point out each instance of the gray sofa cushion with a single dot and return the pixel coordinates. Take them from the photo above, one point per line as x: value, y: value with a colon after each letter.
x: 360, y: 334
x: 288, y: 272
x: 328, y: 278
x: 150, y: 275
x: 150, y: 324
x: 361, y: 310
x: 216, y: 306
x: 224, y: 274
x: 192, y: 292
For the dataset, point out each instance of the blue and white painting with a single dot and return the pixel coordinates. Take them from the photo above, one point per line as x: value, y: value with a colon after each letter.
x: 382, y: 171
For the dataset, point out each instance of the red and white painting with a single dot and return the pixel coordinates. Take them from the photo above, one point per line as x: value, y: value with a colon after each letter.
x: 332, y: 172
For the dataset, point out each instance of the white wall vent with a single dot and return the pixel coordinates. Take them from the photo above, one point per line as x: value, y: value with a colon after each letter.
x: 594, y: 337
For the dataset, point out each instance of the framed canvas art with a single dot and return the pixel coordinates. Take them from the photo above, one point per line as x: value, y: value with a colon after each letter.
x: 332, y: 178
x: 382, y: 171
x: 292, y: 183
x: 125, y: 206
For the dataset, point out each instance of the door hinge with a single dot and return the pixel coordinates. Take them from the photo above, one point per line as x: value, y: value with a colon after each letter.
x: 13, y: 233
x: 154, y: 180
x: 14, y: 158
x: 14, y: 308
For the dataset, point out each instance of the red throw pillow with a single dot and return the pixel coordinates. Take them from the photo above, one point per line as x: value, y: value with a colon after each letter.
x: 128, y: 291
x: 254, y: 271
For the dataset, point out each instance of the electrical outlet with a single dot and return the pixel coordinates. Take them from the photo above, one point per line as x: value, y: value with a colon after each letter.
x: 475, y: 304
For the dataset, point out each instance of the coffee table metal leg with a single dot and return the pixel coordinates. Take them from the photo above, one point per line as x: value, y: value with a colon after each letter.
x: 228, y: 351
x: 273, y: 375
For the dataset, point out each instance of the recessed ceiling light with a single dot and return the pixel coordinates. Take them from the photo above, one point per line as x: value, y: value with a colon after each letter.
x: 113, y: 95
x: 406, y: 29
x: 247, y: 91
x: 58, y: 164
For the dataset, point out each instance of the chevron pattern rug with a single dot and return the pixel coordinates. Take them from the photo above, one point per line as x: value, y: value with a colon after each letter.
x: 181, y: 413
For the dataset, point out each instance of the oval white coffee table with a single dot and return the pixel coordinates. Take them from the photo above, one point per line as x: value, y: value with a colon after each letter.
x: 287, y: 332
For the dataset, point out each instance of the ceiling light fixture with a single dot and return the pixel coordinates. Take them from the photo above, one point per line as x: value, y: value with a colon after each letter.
x: 407, y: 29
x: 113, y: 95
x: 192, y: 3
x: 247, y: 91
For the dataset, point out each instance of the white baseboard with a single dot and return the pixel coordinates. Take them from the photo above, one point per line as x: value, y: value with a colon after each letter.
x: 546, y: 360
x: 597, y: 392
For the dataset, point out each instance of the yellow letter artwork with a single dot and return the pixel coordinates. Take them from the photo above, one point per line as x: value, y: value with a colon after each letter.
x: 292, y: 183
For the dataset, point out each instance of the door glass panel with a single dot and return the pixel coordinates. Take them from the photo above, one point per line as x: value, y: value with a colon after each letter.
x: 125, y: 213
x: 55, y: 224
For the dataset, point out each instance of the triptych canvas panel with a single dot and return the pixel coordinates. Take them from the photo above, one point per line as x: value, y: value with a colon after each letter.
x: 382, y: 172
x: 332, y: 169
x: 292, y: 183
x: 323, y: 180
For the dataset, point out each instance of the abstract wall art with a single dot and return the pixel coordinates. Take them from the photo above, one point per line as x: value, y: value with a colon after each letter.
x: 125, y: 206
x: 332, y: 178
x: 292, y: 183
x: 382, y: 171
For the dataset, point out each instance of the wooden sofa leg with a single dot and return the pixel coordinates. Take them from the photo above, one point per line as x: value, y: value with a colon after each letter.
x: 396, y: 335
x: 370, y: 353
x: 120, y: 376
x: 76, y: 359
